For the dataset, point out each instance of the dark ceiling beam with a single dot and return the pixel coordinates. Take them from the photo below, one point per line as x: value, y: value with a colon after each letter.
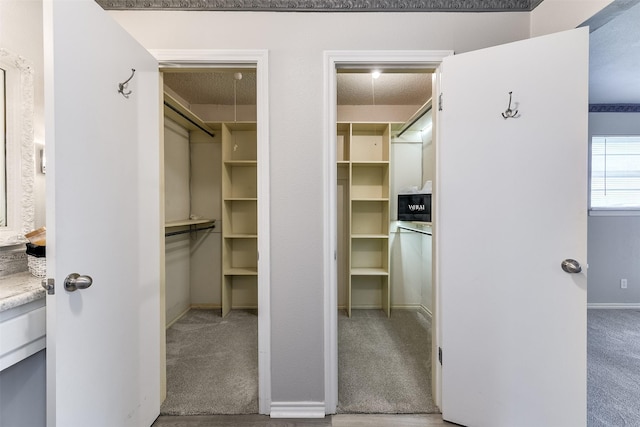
x: 326, y: 5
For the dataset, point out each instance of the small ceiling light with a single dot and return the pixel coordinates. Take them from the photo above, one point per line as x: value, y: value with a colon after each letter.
x: 375, y: 74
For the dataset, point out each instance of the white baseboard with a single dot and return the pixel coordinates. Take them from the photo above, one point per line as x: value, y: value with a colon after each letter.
x: 614, y: 305
x: 420, y: 307
x: 297, y: 409
x: 426, y: 311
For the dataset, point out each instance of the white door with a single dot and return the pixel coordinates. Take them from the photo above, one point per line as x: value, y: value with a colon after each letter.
x: 512, y: 205
x: 103, y: 208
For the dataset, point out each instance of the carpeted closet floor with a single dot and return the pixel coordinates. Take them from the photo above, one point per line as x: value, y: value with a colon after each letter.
x: 384, y: 363
x: 212, y: 364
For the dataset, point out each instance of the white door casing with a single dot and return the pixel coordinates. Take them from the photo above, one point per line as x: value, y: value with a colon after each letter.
x: 203, y: 58
x: 333, y: 59
x: 512, y: 205
x: 103, y: 207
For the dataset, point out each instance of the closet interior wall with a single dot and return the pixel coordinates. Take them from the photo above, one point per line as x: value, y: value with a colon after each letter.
x: 192, y: 188
x: 412, y: 162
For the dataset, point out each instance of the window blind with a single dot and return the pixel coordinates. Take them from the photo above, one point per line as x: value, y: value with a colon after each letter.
x: 615, y: 172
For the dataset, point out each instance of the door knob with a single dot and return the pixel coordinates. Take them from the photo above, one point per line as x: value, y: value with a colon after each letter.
x: 74, y: 281
x: 571, y: 266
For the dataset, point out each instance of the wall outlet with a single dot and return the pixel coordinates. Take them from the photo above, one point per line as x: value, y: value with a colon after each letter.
x: 623, y: 283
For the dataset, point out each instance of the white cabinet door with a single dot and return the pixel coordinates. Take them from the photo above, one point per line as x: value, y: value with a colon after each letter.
x: 103, y: 209
x: 512, y: 205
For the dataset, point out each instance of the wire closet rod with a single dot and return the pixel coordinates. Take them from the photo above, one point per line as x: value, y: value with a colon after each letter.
x: 211, y: 134
x: 191, y: 230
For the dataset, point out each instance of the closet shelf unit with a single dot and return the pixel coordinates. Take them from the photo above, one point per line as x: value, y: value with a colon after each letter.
x: 181, y: 114
x: 363, y: 150
x: 239, y: 209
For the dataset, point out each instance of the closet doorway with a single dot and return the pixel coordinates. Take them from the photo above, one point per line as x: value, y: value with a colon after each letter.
x: 385, y: 163
x: 213, y: 150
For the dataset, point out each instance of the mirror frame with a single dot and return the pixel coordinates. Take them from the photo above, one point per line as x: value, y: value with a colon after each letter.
x: 20, y: 164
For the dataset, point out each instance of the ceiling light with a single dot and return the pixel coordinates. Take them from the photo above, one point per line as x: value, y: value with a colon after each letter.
x: 375, y: 74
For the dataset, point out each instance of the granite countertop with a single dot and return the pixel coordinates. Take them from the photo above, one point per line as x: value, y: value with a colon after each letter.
x: 19, y: 289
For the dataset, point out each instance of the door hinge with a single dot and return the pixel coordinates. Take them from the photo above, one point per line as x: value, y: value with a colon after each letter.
x: 335, y: 255
x: 440, y: 102
x: 440, y: 355
x: 49, y: 286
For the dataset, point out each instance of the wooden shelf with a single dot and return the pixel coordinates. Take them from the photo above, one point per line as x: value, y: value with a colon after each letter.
x: 239, y: 211
x: 363, y: 155
x: 182, y: 115
x: 241, y: 272
x: 187, y: 222
x: 369, y: 272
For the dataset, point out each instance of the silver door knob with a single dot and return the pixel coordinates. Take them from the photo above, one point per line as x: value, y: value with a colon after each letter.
x: 74, y: 281
x: 571, y: 266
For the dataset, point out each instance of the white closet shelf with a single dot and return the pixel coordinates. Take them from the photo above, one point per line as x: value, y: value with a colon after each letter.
x: 369, y: 236
x: 241, y: 162
x: 181, y: 114
x: 241, y: 271
x: 369, y: 271
x: 187, y: 222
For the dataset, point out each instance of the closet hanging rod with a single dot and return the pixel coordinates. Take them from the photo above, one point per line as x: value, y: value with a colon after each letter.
x: 190, y: 230
x: 211, y: 134
x: 415, y: 230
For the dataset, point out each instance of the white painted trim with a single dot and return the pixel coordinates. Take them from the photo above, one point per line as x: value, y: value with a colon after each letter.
x: 425, y: 310
x: 614, y: 305
x: 178, y: 317
x: 297, y: 410
x: 331, y: 59
x: 186, y: 58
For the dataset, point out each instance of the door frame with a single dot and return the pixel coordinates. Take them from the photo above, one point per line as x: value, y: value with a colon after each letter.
x: 379, y: 59
x: 185, y: 58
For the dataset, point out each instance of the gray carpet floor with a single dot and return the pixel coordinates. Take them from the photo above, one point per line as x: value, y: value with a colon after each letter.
x: 613, y: 365
x: 384, y: 364
x: 212, y: 364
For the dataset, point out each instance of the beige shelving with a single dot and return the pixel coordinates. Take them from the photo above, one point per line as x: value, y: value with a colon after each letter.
x: 363, y: 148
x: 239, y: 211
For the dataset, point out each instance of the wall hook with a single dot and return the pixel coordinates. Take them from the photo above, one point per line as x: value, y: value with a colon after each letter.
x: 510, y: 114
x: 122, y: 86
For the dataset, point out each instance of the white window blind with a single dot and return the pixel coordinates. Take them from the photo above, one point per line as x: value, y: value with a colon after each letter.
x: 615, y: 172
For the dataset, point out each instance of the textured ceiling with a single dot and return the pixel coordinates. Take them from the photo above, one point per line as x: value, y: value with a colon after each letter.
x: 614, y: 54
x: 388, y: 89
x: 216, y: 87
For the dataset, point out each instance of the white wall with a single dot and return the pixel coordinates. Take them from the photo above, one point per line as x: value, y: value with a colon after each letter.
x: 206, y: 259
x: 296, y: 42
x: 614, y: 241
x: 177, y: 207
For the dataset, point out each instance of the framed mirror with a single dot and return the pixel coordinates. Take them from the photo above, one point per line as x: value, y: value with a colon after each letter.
x: 17, y: 149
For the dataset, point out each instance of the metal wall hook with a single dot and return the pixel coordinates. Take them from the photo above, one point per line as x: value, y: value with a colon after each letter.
x: 122, y: 86
x: 510, y: 114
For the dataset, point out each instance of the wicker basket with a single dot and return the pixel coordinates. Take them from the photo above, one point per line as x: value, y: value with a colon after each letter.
x: 37, y: 265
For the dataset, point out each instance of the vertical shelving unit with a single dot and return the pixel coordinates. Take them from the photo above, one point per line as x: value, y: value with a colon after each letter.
x: 239, y: 210
x: 363, y: 148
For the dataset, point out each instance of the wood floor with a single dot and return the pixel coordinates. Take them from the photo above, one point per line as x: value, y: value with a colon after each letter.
x: 420, y: 420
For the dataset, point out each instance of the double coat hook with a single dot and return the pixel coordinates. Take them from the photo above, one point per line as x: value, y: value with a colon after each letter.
x: 122, y: 86
x: 509, y: 113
